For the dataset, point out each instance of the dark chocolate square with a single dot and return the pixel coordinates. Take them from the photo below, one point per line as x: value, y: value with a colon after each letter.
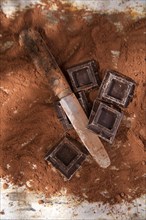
x: 117, y: 89
x: 84, y: 76
x: 67, y: 156
x: 104, y: 121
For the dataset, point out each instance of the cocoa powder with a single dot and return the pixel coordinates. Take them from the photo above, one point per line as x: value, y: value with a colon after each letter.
x: 29, y: 124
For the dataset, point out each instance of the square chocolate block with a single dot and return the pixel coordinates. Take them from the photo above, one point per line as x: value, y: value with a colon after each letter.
x: 104, y: 121
x: 81, y: 96
x: 67, y: 156
x: 84, y: 76
x: 117, y: 89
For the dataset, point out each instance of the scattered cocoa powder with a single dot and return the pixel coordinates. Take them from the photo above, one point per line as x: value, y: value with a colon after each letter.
x: 40, y: 202
x: 5, y: 186
x: 29, y: 125
x: 2, y: 213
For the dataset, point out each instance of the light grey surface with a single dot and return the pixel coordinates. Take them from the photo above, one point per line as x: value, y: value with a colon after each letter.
x: 109, y: 6
x: 23, y: 205
x: 138, y: 7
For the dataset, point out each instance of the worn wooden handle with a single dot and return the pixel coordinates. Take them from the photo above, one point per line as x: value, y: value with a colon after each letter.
x: 44, y: 61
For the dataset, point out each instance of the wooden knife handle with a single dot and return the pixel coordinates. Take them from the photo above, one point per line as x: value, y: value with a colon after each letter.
x: 44, y: 61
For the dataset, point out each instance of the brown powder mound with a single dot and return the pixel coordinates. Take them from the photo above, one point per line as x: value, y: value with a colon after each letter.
x: 29, y: 125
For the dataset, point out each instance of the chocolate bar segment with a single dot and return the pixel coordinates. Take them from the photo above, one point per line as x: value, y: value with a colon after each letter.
x: 62, y: 116
x: 84, y: 76
x: 117, y: 89
x: 86, y: 105
x: 67, y: 156
x: 104, y: 121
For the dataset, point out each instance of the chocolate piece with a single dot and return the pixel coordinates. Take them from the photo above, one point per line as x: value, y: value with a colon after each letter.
x: 104, y: 121
x: 62, y: 115
x: 117, y: 89
x: 84, y: 76
x: 67, y: 156
x: 86, y: 105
